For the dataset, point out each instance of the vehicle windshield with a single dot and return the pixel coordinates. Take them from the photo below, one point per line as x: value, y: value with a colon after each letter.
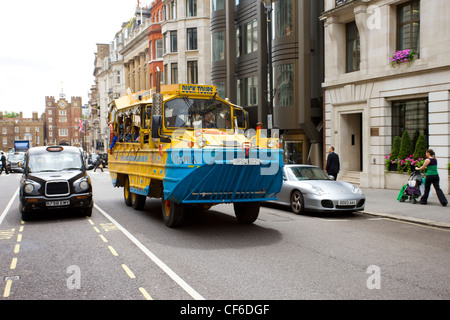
x: 54, y: 161
x: 306, y: 173
x: 16, y: 157
x: 197, y: 113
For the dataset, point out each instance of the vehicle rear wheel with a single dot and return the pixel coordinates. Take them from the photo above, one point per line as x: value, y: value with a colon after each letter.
x: 138, y: 201
x: 246, y: 212
x: 173, y: 213
x: 297, y: 202
x: 126, y: 192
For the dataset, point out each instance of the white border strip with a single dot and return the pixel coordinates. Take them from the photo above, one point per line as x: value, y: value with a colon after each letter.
x: 5, y: 212
x: 194, y: 294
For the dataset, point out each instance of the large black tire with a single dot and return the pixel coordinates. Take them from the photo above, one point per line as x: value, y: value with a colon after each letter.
x: 127, y: 192
x: 246, y: 212
x: 173, y: 213
x: 138, y: 201
x: 297, y: 202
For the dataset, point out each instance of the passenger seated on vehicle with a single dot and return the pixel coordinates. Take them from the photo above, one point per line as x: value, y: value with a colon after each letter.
x: 136, y: 134
x: 128, y: 134
x: 207, y: 120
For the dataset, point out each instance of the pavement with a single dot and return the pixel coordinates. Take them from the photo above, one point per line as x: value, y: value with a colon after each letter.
x: 384, y: 203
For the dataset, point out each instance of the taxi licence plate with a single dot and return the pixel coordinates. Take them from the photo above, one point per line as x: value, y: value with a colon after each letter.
x: 57, y: 203
x: 347, y: 202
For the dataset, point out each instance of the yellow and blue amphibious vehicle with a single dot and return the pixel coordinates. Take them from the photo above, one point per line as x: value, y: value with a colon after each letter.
x: 187, y: 146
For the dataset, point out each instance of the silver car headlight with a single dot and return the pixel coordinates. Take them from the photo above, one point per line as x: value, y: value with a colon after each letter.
x: 356, y: 190
x: 317, y: 191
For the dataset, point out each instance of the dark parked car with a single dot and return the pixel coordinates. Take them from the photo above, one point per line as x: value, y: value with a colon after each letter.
x: 54, y: 177
x: 15, y: 161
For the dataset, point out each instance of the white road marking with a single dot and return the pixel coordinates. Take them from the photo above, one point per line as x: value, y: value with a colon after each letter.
x: 8, y: 206
x: 186, y: 287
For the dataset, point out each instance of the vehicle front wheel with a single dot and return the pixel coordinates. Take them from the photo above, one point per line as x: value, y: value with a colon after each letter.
x: 246, y: 212
x: 297, y: 202
x: 173, y: 213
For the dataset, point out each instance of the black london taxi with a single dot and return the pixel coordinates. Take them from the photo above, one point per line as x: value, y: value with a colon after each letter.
x: 54, y: 177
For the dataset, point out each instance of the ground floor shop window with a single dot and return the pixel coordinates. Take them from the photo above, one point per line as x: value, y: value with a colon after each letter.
x: 412, y: 116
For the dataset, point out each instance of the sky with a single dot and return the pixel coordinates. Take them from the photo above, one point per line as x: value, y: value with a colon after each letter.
x: 49, y: 45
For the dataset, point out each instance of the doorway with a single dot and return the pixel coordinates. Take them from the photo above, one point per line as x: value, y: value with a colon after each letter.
x: 351, y: 142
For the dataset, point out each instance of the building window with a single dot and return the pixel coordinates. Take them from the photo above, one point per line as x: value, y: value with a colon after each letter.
x: 251, y: 36
x: 5, y: 141
x: 284, y: 25
x: 412, y: 116
x: 191, y: 8
x: 159, y: 48
x: 247, y: 91
x: 192, y: 38
x: 4, y: 130
x: 353, y: 52
x: 408, y: 26
x: 192, y: 72
x: 285, y: 85
x: 238, y: 42
x: 173, y: 41
x: 16, y: 129
x: 218, y: 5
x: 63, y: 132
x: 174, y: 72
x: 218, y: 48
x: 62, y: 119
x: 117, y: 77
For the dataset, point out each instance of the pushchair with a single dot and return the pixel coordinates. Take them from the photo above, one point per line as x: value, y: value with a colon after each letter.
x: 413, y: 189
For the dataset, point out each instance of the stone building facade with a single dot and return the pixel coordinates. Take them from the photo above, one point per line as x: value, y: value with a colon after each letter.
x: 368, y: 99
x: 186, y: 41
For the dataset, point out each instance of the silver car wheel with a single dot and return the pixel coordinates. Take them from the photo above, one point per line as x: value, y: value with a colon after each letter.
x: 297, y: 203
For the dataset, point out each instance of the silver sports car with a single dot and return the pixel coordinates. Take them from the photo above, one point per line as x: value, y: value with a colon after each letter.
x: 309, y: 188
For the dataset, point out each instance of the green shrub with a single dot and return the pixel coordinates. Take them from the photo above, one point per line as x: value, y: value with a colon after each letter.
x: 406, y: 146
x: 395, y: 148
x: 421, y: 147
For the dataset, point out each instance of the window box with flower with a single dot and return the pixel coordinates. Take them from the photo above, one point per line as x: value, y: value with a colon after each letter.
x: 402, y: 56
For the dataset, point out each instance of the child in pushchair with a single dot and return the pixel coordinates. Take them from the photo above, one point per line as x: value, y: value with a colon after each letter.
x: 412, y: 189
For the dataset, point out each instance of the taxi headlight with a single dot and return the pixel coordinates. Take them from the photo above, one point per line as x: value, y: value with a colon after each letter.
x: 81, y: 185
x: 29, y: 188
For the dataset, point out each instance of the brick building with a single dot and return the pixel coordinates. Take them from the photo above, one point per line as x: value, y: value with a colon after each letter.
x: 155, y: 39
x: 31, y: 129
x: 61, y: 120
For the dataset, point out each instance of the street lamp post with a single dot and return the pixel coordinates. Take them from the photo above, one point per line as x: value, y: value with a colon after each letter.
x: 268, y: 6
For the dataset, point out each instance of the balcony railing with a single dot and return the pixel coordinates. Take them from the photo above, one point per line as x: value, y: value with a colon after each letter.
x: 342, y: 2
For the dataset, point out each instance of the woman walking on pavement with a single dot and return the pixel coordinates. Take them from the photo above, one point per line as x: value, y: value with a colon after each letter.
x: 432, y: 177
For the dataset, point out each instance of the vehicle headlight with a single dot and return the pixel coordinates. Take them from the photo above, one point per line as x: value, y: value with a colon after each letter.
x: 201, y: 141
x: 31, y: 187
x: 81, y: 185
x: 317, y: 191
x: 271, y: 143
x: 357, y: 190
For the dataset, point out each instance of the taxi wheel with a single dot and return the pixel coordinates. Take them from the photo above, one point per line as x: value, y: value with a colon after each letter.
x: 138, y: 201
x: 246, y: 212
x: 173, y: 213
x: 127, y: 193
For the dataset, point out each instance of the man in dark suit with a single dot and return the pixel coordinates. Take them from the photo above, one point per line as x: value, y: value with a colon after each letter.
x: 333, y: 165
